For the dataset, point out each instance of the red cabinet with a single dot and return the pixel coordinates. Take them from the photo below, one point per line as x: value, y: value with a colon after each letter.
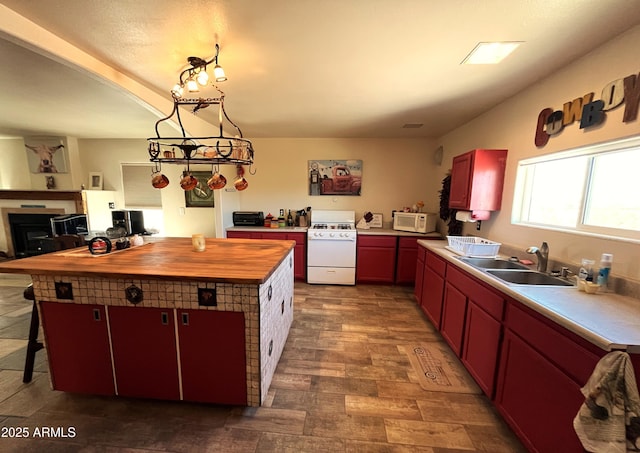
x: 472, y: 325
x: 454, y: 309
x: 376, y: 259
x: 212, y: 356
x: 432, y: 292
x: 419, y: 278
x: 77, y: 344
x: 477, y: 179
x: 542, y: 368
x: 144, y: 352
x: 406, y: 260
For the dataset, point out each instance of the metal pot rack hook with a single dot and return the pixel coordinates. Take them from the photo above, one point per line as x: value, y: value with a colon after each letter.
x: 252, y: 171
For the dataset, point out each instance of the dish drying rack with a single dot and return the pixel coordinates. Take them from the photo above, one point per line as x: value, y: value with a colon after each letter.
x: 473, y: 246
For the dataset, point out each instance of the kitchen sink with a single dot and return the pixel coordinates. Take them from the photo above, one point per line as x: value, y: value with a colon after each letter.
x: 493, y: 263
x: 527, y: 277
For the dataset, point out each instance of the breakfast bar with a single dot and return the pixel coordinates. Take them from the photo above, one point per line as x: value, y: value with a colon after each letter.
x: 161, y: 320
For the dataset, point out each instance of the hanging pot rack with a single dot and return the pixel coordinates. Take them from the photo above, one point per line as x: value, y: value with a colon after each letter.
x: 218, y: 149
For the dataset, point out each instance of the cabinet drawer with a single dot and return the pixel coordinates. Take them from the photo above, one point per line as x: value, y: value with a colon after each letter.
x: 407, y: 243
x: 377, y: 241
x: 556, y: 343
x: 491, y: 302
x: 436, y: 263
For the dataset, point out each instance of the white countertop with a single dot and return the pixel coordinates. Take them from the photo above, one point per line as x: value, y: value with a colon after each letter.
x: 610, y: 321
x: 369, y: 232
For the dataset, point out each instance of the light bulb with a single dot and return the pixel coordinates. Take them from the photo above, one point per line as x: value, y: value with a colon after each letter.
x: 218, y: 72
x: 202, y: 77
x: 177, y: 90
x: 192, y: 86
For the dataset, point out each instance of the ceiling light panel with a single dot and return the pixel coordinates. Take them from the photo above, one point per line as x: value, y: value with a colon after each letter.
x: 491, y: 52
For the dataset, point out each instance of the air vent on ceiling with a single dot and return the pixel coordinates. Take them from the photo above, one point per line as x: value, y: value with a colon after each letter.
x: 412, y: 126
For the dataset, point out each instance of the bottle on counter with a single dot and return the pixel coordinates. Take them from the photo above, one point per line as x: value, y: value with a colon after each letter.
x: 605, y: 268
x: 289, y: 219
x: 267, y: 220
x: 281, y: 221
x: 586, y: 270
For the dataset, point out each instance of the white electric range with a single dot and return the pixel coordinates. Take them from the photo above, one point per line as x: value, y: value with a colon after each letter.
x: 331, y: 248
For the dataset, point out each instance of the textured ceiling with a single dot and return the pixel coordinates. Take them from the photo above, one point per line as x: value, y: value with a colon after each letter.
x: 296, y: 68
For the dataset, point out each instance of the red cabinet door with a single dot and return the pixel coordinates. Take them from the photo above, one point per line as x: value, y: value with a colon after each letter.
x: 432, y: 295
x: 420, y: 268
x: 459, y: 193
x: 144, y: 352
x: 453, y: 315
x: 212, y: 356
x: 477, y: 180
x: 376, y: 259
x: 537, y: 399
x: 406, y: 261
x: 77, y: 344
x: 481, y: 346
x: 299, y: 255
x: 375, y: 265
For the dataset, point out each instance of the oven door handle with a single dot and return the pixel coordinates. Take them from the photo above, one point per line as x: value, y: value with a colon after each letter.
x: 350, y: 239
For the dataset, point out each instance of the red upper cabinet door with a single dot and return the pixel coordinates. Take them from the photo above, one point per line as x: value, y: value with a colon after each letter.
x: 477, y: 180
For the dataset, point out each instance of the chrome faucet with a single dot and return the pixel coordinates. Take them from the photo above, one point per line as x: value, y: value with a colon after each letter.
x: 543, y: 256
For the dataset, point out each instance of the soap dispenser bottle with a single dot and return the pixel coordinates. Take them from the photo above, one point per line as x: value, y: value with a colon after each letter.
x: 605, y: 268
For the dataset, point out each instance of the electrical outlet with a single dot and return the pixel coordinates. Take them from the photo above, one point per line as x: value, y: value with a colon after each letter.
x: 180, y: 211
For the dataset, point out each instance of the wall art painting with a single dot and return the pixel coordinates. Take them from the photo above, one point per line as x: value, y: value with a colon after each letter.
x: 46, y: 155
x: 335, y: 177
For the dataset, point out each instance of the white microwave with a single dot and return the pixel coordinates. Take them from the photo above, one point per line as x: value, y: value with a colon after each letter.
x: 418, y: 222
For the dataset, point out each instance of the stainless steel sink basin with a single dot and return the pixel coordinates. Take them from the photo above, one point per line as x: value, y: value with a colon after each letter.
x: 493, y: 263
x: 527, y: 277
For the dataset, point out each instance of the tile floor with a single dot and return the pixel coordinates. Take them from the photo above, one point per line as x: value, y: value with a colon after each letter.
x: 342, y: 385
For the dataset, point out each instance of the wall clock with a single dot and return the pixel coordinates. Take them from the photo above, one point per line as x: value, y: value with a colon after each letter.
x: 201, y: 196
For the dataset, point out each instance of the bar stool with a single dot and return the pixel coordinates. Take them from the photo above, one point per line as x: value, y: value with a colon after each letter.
x: 33, y: 345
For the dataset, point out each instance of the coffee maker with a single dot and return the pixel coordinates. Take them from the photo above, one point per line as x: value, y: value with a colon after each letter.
x: 131, y: 221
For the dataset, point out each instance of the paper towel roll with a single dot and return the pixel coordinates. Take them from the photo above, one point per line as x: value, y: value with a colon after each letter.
x: 464, y: 216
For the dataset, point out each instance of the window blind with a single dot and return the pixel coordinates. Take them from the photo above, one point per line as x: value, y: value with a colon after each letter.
x: 138, y: 191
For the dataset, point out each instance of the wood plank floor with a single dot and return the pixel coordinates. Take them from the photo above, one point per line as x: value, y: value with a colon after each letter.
x: 342, y: 385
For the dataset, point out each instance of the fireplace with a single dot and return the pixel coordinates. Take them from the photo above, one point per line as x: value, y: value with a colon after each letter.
x: 31, y: 234
x: 28, y: 230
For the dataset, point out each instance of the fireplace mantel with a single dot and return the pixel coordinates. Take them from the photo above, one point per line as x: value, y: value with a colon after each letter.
x: 72, y: 195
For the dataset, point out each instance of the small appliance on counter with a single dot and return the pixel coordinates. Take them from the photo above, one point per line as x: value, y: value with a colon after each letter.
x: 417, y: 222
x: 69, y: 224
x: 131, y: 221
x: 248, y: 218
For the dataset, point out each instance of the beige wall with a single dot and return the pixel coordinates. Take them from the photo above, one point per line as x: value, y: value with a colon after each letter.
x: 395, y: 173
x: 512, y: 125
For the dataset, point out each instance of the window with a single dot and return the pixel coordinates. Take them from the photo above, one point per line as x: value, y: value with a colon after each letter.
x: 139, y: 194
x: 591, y: 190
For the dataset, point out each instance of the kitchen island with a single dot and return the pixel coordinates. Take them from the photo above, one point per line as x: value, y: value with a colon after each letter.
x: 160, y: 320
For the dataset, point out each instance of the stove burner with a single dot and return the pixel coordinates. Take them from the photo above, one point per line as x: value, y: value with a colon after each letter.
x: 339, y: 226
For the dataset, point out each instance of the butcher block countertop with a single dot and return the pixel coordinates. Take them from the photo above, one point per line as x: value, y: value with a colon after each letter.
x: 241, y: 261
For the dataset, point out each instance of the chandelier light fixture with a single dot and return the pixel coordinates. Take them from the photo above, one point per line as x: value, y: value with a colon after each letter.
x: 185, y: 149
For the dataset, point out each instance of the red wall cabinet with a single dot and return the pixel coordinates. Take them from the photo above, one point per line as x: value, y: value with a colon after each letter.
x: 212, y: 356
x: 477, y: 179
x: 376, y: 259
x: 144, y: 352
x: 77, y: 344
